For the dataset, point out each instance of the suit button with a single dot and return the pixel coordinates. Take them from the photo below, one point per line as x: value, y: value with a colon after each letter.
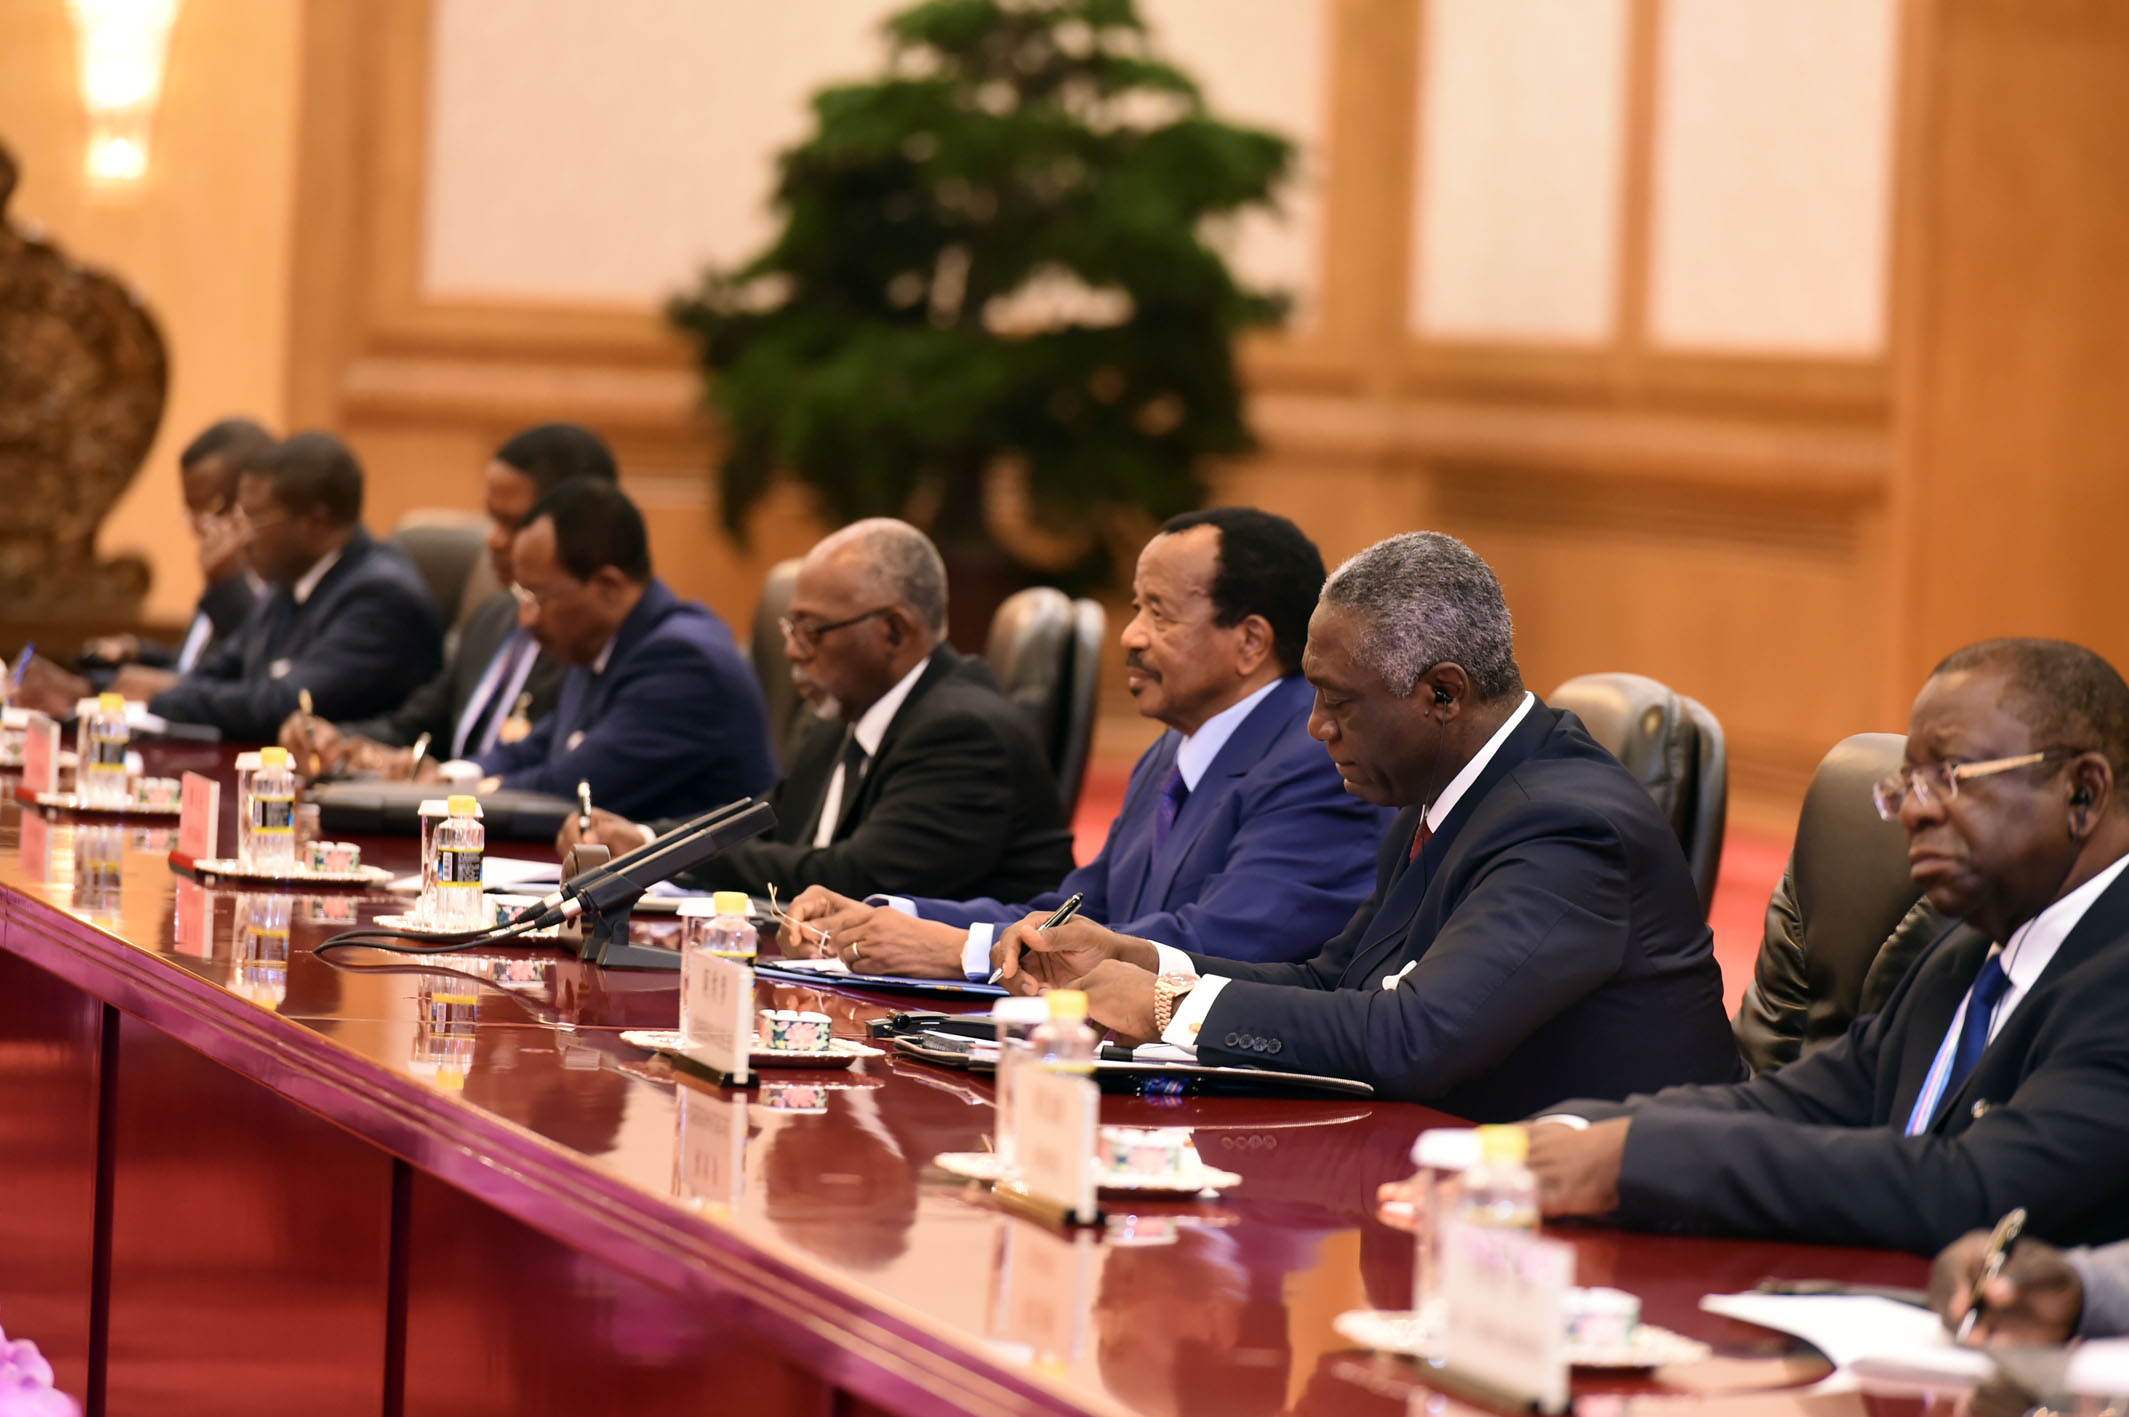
x: 1275, y: 1045
x: 1234, y: 1040
x: 1980, y: 1109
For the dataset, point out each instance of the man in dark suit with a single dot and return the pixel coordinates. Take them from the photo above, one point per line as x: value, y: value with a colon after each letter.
x: 1997, y: 1075
x: 208, y: 469
x: 927, y: 781
x: 1534, y: 927
x: 348, y: 618
x: 1236, y: 836
x: 658, y: 710
x: 499, y: 683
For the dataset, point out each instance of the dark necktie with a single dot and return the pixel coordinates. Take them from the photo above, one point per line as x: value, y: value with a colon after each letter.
x: 851, y: 758
x: 1420, y: 838
x: 1173, y: 791
x: 1981, y: 1001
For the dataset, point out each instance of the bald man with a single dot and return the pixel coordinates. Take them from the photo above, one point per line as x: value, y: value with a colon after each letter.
x: 927, y: 781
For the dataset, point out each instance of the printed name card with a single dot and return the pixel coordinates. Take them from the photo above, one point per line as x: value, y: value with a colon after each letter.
x: 1054, y: 1117
x: 719, y: 1024
x: 710, y: 1154
x: 1505, y: 1312
x: 1045, y: 1293
x: 199, y: 817
x: 37, y: 846
x: 193, y: 931
x: 40, y: 755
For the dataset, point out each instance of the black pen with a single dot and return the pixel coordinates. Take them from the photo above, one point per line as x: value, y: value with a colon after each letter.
x: 2001, y: 1239
x: 1057, y: 917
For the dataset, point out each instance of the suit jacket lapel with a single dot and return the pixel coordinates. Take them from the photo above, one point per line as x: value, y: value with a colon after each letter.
x: 2103, y: 923
x: 857, y: 796
x: 1252, y: 738
x: 1930, y: 1016
x: 1412, y: 884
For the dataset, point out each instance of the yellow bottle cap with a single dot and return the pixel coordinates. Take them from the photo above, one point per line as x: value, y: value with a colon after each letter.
x: 111, y: 703
x: 730, y: 903
x: 273, y: 757
x: 1067, y: 1006
x: 462, y: 806
x: 1504, y: 1146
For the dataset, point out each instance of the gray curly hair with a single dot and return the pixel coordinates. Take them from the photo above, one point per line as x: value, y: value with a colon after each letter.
x: 1429, y: 599
x: 904, y: 567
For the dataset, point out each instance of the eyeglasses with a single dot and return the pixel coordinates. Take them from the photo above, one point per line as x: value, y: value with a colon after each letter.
x: 807, y: 635
x: 1939, y: 782
x: 534, y: 600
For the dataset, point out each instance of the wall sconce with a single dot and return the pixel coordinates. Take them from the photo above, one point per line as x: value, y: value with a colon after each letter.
x: 123, y: 45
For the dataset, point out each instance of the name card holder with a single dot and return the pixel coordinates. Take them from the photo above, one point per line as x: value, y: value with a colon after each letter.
x: 1054, y: 1119
x: 1504, y: 1326
x: 710, y: 1152
x: 199, y: 821
x: 40, y: 757
x: 720, y: 1015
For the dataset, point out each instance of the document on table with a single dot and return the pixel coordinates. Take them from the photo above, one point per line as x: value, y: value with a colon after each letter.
x: 1862, y: 1333
x: 509, y: 874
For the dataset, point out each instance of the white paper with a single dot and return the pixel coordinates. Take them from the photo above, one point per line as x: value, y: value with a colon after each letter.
x: 498, y: 872
x: 1888, y: 1339
x: 2099, y: 1368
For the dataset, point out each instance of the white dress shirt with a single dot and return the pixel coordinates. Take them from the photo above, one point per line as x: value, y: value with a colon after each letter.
x: 301, y: 590
x: 1192, y: 757
x: 1190, y: 1014
x: 870, y: 728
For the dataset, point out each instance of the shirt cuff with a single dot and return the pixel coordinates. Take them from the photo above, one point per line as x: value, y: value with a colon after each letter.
x: 1190, y: 1012
x: 2106, y: 1290
x: 1172, y: 960
x: 1565, y: 1119
x: 976, y: 954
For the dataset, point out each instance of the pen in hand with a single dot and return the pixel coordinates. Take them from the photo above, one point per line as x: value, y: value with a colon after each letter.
x: 583, y: 807
x: 421, y: 750
x: 2001, y: 1240
x: 1057, y: 917
x: 303, y: 704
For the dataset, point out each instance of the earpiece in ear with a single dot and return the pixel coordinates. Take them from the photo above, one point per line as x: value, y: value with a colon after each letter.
x: 1441, y: 695
x: 2082, y: 797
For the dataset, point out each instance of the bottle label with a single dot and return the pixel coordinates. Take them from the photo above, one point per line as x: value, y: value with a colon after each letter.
x: 276, y: 816
x: 458, y: 866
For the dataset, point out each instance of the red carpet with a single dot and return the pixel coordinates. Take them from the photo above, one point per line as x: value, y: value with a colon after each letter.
x: 1751, y: 864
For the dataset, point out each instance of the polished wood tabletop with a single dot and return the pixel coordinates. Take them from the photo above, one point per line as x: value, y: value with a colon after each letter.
x: 804, y: 1213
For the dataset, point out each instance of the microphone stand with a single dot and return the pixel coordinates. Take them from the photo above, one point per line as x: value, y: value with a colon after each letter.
x: 602, y: 893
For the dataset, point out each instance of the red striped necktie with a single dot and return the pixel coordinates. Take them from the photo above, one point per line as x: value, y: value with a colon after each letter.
x: 1420, y: 838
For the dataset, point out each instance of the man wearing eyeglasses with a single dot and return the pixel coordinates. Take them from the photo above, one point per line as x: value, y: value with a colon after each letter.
x: 926, y: 780
x: 657, y: 710
x: 1997, y: 1075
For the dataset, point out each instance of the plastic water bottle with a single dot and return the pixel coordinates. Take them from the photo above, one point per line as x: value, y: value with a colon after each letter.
x: 728, y: 934
x: 100, y: 736
x: 1065, y: 1043
x: 247, y: 769
x: 273, y: 813
x: 1015, y: 1017
x: 1500, y: 1191
x: 460, y: 844
x: 1443, y: 1155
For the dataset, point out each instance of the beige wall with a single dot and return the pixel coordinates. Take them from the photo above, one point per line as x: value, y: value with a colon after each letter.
x: 205, y: 240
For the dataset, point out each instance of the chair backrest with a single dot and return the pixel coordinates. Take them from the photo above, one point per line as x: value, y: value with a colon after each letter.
x: 1845, y: 901
x: 1673, y: 747
x: 1029, y: 651
x: 447, y: 546
x: 1090, y: 633
x: 787, y: 711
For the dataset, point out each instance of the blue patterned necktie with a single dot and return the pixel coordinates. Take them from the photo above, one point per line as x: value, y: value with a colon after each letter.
x: 1173, y: 791
x: 1981, y: 1001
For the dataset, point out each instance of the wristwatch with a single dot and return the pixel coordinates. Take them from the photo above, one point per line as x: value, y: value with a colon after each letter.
x: 1168, y: 990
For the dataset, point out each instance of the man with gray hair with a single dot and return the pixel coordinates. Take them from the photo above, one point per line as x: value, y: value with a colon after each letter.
x: 1533, y: 932
x: 923, y: 779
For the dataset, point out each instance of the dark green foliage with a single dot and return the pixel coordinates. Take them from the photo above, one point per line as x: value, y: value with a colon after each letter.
x: 1009, y: 138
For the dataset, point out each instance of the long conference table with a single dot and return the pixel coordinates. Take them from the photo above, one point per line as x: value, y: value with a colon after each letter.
x: 238, y: 1178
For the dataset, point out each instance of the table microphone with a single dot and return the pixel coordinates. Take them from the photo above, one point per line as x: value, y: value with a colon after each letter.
x: 627, y: 877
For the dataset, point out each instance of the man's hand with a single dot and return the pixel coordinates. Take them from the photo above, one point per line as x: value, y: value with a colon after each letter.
x: 369, y: 758
x: 221, y: 546
x: 51, y: 690
x: 310, y: 740
x: 1120, y: 996
x: 614, y: 832
x: 114, y: 649
x: 138, y: 681
x: 817, y: 905
x: 885, y: 941
x: 1056, y: 957
x: 1578, y: 1170
x: 2038, y: 1297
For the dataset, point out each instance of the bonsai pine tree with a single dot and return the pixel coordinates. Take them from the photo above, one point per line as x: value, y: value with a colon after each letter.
x: 994, y: 255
